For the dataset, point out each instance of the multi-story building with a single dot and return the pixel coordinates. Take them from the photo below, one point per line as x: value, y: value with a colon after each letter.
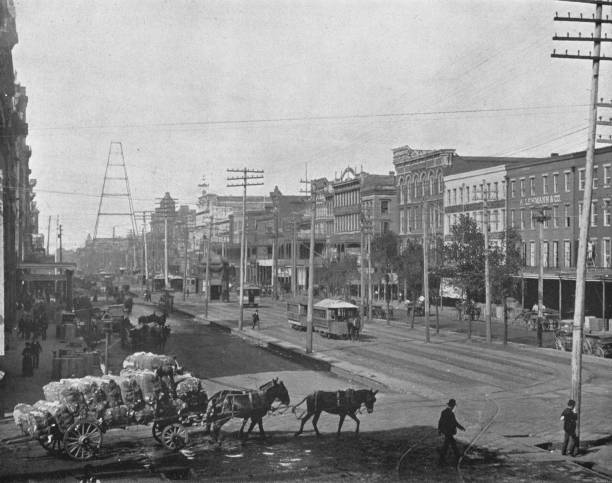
x: 472, y: 191
x: 421, y: 188
x: 554, y: 187
x: 356, y: 195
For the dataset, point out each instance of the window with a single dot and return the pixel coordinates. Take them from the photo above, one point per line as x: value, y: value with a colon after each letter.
x: 384, y: 207
x: 595, y: 177
x: 594, y: 213
x: 512, y: 219
x: 554, y: 262
x: 401, y: 193
x: 440, y: 184
x: 532, y: 254
x: 503, y: 218
x: 522, y: 187
x: 461, y: 195
x: 606, y: 212
x: 566, y: 181
x: 512, y: 188
x: 532, y: 219
x: 495, y: 188
x: 567, y: 253
x: 555, y: 183
x: 474, y: 193
x: 448, y: 197
x: 416, y: 187
x: 544, y: 256
x: 606, y: 178
x: 555, y: 216
x: 524, y: 252
x: 532, y: 190
x: 581, y: 179
x: 606, y: 255
x: 454, y: 196
x: 568, y: 218
x: 544, y: 185
x: 467, y: 194
x: 522, y: 219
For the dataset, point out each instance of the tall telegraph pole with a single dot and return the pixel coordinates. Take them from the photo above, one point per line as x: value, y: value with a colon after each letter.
x: 485, y: 229
x: 248, y: 177
x: 313, y: 213
x: 426, y: 268
x: 596, y: 39
x: 208, y: 255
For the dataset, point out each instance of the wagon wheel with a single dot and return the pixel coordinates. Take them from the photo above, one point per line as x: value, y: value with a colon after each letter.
x: 174, y: 436
x: 156, y: 430
x: 55, y: 446
x: 82, y: 439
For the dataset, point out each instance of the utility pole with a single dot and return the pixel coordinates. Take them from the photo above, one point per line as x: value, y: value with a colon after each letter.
x: 208, y: 257
x: 166, y: 283
x: 294, y: 256
x: 485, y: 229
x: 425, y: 216
x: 48, y: 234
x: 369, y: 240
x: 144, y: 241
x: 583, y: 236
x: 185, y: 260
x: 248, y: 177
x: 59, y: 236
x: 313, y: 213
x: 541, y: 218
x: 274, y: 280
x: 361, y: 265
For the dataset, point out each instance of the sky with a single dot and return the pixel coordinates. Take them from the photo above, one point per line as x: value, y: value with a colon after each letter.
x: 292, y: 87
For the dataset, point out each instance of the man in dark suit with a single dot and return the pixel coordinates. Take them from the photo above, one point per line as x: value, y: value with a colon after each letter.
x: 447, y: 426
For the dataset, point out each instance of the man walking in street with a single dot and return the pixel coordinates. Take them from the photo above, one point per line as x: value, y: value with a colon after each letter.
x: 569, y: 418
x: 447, y: 426
x: 255, y: 319
x: 36, y: 349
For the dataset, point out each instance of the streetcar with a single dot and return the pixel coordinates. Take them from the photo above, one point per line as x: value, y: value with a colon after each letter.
x: 250, y: 296
x: 330, y: 317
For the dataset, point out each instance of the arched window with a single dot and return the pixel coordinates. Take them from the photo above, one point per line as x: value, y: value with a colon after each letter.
x: 401, y: 191
x: 423, y: 184
x: 416, y: 187
x: 440, y: 183
x: 408, y: 189
x: 432, y: 181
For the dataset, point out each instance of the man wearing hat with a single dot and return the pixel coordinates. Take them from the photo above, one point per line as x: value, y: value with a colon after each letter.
x: 447, y: 425
x: 569, y: 418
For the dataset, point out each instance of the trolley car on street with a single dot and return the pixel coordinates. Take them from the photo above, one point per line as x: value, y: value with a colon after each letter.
x: 330, y: 317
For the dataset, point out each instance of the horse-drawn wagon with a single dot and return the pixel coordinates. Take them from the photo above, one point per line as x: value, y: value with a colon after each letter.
x: 594, y: 343
x: 76, y: 413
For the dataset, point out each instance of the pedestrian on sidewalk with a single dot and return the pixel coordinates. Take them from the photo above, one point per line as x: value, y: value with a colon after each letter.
x: 36, y: 349
x: 569, y: 418
x: 26, y: 361
x: 447, y: 426
x: 256, y: 319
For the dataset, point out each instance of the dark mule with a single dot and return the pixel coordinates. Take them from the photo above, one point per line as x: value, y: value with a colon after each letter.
x: 343, y: 403
x: 253, y: 405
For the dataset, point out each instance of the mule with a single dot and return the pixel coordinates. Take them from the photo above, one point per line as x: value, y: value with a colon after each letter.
x: 342, y: 403
x: 253, y: 405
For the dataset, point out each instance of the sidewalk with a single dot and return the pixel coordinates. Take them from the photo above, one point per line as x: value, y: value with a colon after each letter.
x: 18, y: 389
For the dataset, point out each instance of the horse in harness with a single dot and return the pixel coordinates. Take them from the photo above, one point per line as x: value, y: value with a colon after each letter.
x: 251, y: 404
x: 342, y: 403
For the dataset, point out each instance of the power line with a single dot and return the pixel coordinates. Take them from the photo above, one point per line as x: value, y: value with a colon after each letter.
x: 305, y: 118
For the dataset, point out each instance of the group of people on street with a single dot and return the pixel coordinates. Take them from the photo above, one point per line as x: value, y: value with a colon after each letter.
x: 32, y: 322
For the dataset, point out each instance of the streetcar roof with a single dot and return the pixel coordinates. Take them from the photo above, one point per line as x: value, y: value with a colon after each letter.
x: 334, y: 304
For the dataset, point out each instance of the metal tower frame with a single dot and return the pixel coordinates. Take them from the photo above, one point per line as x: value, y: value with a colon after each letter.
x: 127, y: 194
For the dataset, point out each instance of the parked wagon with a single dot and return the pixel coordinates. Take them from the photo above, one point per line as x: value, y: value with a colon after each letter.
x: 594, y: 343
